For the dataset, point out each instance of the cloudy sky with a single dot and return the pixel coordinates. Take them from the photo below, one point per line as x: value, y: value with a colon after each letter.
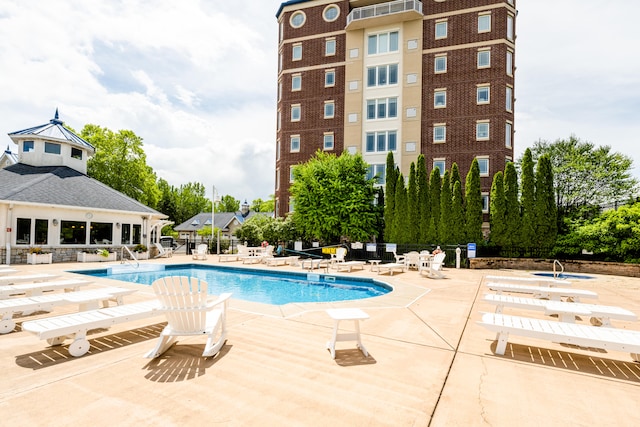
x: 197, y: 79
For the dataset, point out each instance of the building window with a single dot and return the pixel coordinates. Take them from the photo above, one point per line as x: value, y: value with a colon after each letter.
x: 482, y: 94
x: 331, y: 13
x: 23, y: 231
x: 382, y: 75
x: 295, y: 113
x: 440, y: 64
x: 291, y: 178
x: 383, y: 108
x: 510, y: 27
x: 277, y: 179
x: 27, y: 146
x: 297, y: 19
x: 509, y: 63
x: 381, y: 142
x: 328, y: 141
x: 296, y: 82
x: 42, y: 232
x: 377, y: 171
x: 484, y: 58
x: 296, y: 54
x: 508, y: 135
x: 329, y: 109
x: 330, y: 47
x: 329, y: 78
x: 73, y: 232
x: 278, y: 149
x: 76, y: 153
x: 125, y: 234
x: 509, y: 99
x: 485, y: 203
x: 440, y: 98
x: 295, y: 143
x: 101, y: 233
x: 484, y: 23
x: 483, y: 164
x: 291, y: 204
x: 51, y: 148
x: 482, y: 131
x: 441, y: 164
x: 382, y: 43
x: 441, y: 30
x: 439, y: 133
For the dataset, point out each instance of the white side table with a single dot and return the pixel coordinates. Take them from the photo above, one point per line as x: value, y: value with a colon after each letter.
x: 375, y: 264
x: 338, y: 314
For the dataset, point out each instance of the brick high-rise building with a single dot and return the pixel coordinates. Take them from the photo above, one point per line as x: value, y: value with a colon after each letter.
x: 434, y: 77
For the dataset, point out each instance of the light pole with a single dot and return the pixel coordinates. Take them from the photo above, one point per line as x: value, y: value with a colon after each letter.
x: 213, y: 219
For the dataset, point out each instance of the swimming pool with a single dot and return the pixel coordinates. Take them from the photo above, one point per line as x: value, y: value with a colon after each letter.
x: 565, y: 275
x: 269, y: 287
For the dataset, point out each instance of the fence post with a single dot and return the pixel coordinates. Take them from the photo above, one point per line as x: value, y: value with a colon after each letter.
x: 458, y: 251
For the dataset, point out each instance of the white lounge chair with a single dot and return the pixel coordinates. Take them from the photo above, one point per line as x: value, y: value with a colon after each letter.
x: 185, y: 302
x: 561, y: 332
x: 350, y: 265
x: 87, y: 300
x: 6, y: 271
x: 76, y: 325
x: 338, y: 257
x: 392, y: 267
x: 37, y: 288
x: 242, y: 251
x: 534, y: 281
x: 39, y: 277
x: 162, y: 251
x: 547, y: 292
x: 201, y: 251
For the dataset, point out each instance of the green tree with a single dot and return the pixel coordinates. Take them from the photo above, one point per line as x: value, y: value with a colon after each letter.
x: 401, y: 217
x: 423, y: 198
x: 545, y: 206
x: 167, y: 203
x: 527, y: 201
x: 334, y: 198
x: 435, y: 184
x: 390, y: 202
x: 413, y: 207
x: 457, y: 215
x: 512, y: 213
x: 585, y: 174
x: 473, y: 204
x: 498, y: 210
x: 445, y: 226
x: 121, y: 163
x: 455, y: 175
x: 228, y: 203
x: 190, y: 199
x: 259, y: 205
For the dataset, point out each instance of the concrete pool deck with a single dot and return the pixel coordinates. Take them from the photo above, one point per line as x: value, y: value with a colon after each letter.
x: 429, y: 364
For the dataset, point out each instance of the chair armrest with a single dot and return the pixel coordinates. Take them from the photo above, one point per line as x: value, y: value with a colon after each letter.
x: 221, y: 299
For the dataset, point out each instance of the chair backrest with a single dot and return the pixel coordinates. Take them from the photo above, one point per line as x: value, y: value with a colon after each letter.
x: 184, y: 301
x: 340, y: 254
x: 160, y: 248
x: 242, y: 250
x: 438, y: 259
x: 268, y: 251
x: 202, y: 248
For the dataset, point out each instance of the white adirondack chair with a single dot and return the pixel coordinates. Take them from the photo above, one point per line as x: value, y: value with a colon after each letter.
x: 184, y: 301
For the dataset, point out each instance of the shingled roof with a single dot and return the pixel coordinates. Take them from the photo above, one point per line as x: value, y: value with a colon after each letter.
x: 61, y: 185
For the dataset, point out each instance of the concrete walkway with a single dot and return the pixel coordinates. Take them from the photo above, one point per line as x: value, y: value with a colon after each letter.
x: 429, y: 364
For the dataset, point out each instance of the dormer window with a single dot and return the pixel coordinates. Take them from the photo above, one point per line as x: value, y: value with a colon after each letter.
x: 76, y: 154
x: 51, y: 148
x: 27, y: 146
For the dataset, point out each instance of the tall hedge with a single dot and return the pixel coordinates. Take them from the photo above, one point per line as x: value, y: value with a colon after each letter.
x: 473, y: 204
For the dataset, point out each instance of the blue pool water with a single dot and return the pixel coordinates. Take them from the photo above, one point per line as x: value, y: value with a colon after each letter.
x: 269, y: 287
x: 565, y: 275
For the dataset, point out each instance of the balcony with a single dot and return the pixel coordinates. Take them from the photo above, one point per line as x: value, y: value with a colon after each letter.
x: 383, y: 13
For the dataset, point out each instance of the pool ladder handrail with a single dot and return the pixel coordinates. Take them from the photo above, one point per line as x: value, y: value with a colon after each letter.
x: 133, y: 257
x: 555, y: 274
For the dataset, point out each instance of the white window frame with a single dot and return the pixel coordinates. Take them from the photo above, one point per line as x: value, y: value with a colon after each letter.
x: 376, y: 140
x: 376, y: 103
x: 296, y: 52
x: 294, y: 15
x: 484, y: 58
x: 442, y: 94
x: 441, y: 30
x: 436, y: 69
x: 484, y: 23
x: 294, y: 140
x: 296, y: 77
x: 510, y: 27
x: 509, y: 62
x: 439, y: 133
x: 508, y: 134
x: 378, y: 169
x: 387, y: 68
x: 329, y: 109
x: 328, y: 141
x: 485, y: 161
x: 328, y: 73
x: 326, y: 11
x: 481, y: 90
x: 485, y: 202
x: 509, y: 98
x: 384, y: 42
x: 483, y: 130
x: 440, y: 161
x: 330, y: 47
x: 296, y: 108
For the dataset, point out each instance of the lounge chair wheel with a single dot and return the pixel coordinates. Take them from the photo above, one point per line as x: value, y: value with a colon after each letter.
x: 6, y: 326
x: 55, y: 341
x: 79, y: 347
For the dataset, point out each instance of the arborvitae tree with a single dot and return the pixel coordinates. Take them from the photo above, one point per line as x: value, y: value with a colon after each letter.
x: 545, y: 205
x: 401, y: 217
x: 435, y: 184
x: 412, y: 206
x: 473, y: 204
x: 390, y: 202
x: 380, y: 214
x: 457, y: 214
x: 455, y: 175
x: 497, y: 210
x: 512, y: 214
x: 527, y: 202
x: 423, y: 198
x: 445, y: 226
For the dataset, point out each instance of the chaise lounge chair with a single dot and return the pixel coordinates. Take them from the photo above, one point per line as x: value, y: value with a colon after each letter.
x: 163, y: 252
x: 185, y: 302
